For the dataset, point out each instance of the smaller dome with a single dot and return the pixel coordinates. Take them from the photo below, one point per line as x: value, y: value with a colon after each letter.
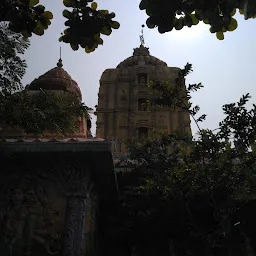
x: 77, y: 89
x: 142, y: 56
x: 56, y: 79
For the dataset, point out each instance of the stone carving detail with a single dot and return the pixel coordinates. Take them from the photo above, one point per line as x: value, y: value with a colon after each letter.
x: 141, y: 62
x: 76, y: 179
x: 141, y: 51
x: 141, y: 70
x: 72, y: 239
x: 142, y: 79
x: 90, y: 220
x: 142, y: 94
x: 124, y: 76
x: 27, y: 218
x: 142, y: 123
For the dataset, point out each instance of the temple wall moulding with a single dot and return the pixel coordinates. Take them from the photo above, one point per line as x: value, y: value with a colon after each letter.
x: 124, y: 78
x: 142, y: 94
x: 143, y: 123
x: 141, y: 69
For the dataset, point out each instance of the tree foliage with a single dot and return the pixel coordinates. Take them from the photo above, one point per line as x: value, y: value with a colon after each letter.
x: 25, y: 16
x: 12, y: 67
x: 44, y: 111
x: 85, y: 23
x: 190, y: 196
x: 37, y: 113
x: 167, y: 15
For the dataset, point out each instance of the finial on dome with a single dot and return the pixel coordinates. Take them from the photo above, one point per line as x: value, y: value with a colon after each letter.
x: 142, y: 41
x: 59, y: 64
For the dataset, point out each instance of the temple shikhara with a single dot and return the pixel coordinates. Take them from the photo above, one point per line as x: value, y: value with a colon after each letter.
x: 54, y: 191
x: 122, y: 112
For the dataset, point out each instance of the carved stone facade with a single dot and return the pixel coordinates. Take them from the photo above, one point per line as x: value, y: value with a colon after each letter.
x: 121, y: 113
x: 49, y: 196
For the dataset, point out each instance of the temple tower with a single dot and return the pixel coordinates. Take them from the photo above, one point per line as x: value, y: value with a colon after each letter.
x: 122, y: 92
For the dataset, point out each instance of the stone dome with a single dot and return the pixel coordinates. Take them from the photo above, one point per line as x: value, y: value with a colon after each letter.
x: 56, y: 79
x: 141, y: 56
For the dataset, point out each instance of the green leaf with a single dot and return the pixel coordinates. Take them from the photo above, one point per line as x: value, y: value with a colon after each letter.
x: 87, y: 49
x: 66, y: 14
x: 70, y: 3
x: 143, y: 4
x: 150, y: 23
x: 178, y: 24
x: 94, y: 5
x: 32, y: 3
x: 104, y: 12
x: 61, y: 39
x: 188, y: 21
x: 199, y: 14
x: 115, y: 25
x: 241, y: 11
x: 38, y: 31
x: 26, y: 33
x: 106, y: 31
x: 47, y: 15
x: 233, y: 12
x: 213, y: 29
x: 66, y: 31
x: 99, y: 41
x: 75, y: 47
x: 40, y: 8
x: 220, y: 35
x: 195, y: 20
x: 232, y: 25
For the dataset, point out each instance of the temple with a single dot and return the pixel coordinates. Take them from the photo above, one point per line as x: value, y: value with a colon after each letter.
x: 52, y: 188
x: 58, y: 81
x: 56, y: 191
x: 123, y: 92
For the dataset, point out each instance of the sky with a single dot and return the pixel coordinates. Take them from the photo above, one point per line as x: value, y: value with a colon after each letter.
x: 227, y: 68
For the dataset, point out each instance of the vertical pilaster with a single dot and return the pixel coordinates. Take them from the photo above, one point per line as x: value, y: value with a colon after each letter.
x: 181, y: 120
x: 73, y: 233
x: 72, y: 241
x: 115, y: 107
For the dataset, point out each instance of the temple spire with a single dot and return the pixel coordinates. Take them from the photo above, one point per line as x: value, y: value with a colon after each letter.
x: 142, y: 41
x: 59, y: 64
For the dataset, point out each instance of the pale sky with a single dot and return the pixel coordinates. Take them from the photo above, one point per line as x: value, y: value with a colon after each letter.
x: 226, y: 68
